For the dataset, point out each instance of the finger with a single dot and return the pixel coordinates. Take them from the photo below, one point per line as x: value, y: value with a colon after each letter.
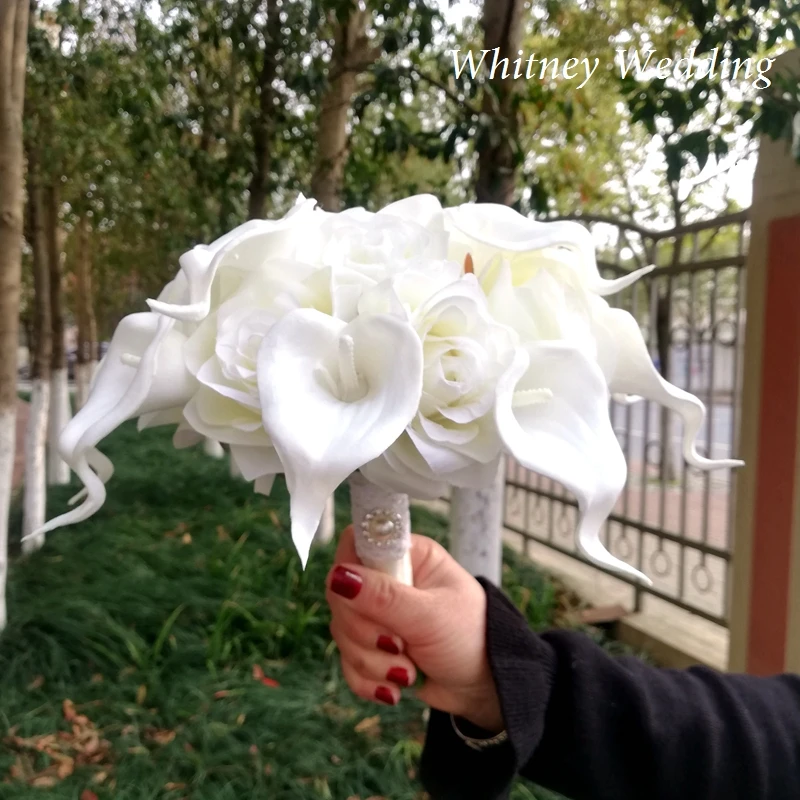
x: 374, y: 664
x: 364, y: 632
x: 368, y: 689
x: 428, y: 557
x: 378, y: 597
x: 346, y: 549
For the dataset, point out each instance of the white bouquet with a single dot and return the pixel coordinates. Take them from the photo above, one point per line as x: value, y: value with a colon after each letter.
x: 409, y: 349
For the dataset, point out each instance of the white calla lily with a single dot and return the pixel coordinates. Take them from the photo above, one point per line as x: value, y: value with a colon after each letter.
x: 143, y: 373
x: 487, y: 231
x: 630, y: 372
x: 334, y: 396
x: 552, y: 415
x: 242, y: 250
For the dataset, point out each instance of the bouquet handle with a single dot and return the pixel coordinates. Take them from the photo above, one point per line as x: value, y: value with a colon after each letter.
x: 382, y: 528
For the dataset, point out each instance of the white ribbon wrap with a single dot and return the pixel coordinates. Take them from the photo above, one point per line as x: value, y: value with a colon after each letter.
x: 382, y: 528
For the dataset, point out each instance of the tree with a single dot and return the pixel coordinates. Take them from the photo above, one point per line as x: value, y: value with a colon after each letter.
x: 13, y: 52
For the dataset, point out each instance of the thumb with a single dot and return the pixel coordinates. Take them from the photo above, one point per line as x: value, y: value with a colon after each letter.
x: 379, y: 597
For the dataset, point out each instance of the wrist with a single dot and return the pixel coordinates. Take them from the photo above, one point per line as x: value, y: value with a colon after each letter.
x: 482, y: 707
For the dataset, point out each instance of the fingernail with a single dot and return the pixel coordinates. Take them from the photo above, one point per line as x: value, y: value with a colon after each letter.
x: 399, y: 676
x: 385, y: 695
x: 345, y: 582
x: 387, y: 644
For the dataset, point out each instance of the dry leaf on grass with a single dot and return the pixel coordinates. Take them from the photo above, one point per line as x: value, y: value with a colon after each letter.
x: 36, y: 683
x: 82, y: 745
x: 222, y: 534
x: 258, y: 674
x: 88, y: 794
x: 186, y: 538
x: 141, y: 694
x: 273, y: 518
x: 160, y: 736
x: 171, y: 787
x: 370, y: 726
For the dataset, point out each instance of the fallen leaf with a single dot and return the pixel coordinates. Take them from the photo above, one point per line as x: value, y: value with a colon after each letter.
x: 186, y: 538
x: 253, y: 750
x: 336, y: 760
x: 273, y: 518
x: 240, y: 719
x: 370, y: 726
x: 160, y: 736
x: 171, y: 787
x: 141, y: 694
x: 271, y: 682
x: 222, y: 534
x: 127, y: 730
x: 88, y: 794
x: 43, y: 781
x: 99, y: 778
x: 97, y: 678
x: 36, y: 683
x: 221, y: 693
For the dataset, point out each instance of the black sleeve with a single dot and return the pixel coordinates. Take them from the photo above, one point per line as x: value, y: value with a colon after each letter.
x: 593, y: 727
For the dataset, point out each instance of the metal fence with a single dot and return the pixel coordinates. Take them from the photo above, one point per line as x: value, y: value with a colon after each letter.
x: 672, y: 521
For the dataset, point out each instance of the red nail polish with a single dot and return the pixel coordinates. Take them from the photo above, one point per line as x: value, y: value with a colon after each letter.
x: 345, y: 582
x: 399, y: 676
x: 386, y: 643
x: 385, y: 695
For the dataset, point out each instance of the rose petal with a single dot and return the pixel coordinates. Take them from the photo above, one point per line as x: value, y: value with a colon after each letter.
x: 568, y: 438
x: 320, y: 438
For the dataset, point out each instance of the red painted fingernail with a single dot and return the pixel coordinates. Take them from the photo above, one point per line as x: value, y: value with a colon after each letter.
x: 399, y: 676
x: 387, y: 644
x: 385, y: 695
x: 345, y: 582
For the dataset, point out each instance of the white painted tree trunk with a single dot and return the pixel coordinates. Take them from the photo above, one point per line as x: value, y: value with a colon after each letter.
x: 327, y: 525
x: 476, y: 528
x: 83, y: 381
x: 35, y: 497
x: 8, y: 430
x: 213, y: 449
x: 60, y: 415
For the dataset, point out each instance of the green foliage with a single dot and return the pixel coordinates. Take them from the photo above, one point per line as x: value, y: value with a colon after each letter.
x: 151, y: 617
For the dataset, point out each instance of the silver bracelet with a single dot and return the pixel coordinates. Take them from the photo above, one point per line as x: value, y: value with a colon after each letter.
x: 478, y: 744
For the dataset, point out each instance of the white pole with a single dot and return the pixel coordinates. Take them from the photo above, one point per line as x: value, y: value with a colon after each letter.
x: 8, y: 430
x: 476, y: 527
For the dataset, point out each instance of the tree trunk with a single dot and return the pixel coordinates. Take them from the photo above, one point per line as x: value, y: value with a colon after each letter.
x: 35, y: 497
x: 476, y: 516
x: 60, y: 409
x: 263, y: 127
x: 13, y: 52
x: 502, y: 28
x: 352, y: 54
x: 84, y: 311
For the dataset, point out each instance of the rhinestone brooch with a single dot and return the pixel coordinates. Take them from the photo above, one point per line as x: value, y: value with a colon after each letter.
x: 382, y: 527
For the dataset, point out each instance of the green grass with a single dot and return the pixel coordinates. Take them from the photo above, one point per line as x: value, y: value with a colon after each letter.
x: 151, y: 616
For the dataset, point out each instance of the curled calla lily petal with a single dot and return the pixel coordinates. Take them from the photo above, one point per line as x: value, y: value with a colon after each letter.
x: 333, y: 398
x: 143, y: 372
x: 634, y: 374
x: 487, y: 230
x: 566, y: 434
x: 246, y: 247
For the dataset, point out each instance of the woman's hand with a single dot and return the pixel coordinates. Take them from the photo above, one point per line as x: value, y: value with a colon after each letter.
x: 386, y: 630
